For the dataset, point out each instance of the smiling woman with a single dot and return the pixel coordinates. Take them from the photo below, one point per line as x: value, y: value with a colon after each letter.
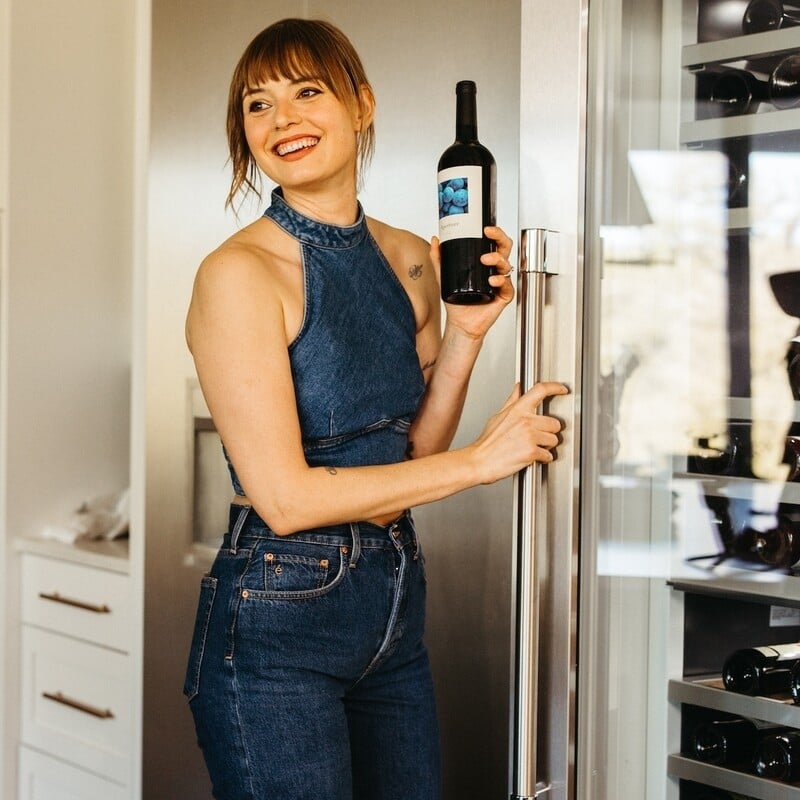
x: 295, y: 52
x: 316, y: 334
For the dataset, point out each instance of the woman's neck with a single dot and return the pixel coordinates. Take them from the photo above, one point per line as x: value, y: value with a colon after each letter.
x: 332, y: 208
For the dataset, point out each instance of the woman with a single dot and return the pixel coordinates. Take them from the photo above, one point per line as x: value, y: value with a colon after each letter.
x: 317, y: 339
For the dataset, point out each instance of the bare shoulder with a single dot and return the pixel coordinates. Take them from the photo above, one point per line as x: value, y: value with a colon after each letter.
x: 397, y: 243
x: 245, y: 272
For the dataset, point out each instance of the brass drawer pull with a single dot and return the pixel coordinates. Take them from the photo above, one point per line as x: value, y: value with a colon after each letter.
x: 67, y: 601
x: 101, y: 713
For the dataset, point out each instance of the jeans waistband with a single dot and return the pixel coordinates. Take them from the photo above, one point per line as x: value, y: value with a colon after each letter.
x: 247, y: 526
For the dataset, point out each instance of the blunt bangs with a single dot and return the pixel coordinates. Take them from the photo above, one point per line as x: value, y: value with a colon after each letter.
x: 294, y: 49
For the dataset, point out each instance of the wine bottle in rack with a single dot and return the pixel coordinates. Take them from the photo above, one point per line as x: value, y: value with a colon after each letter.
x: 793, y: 369
x: 467, y: 199
x: 761, y: 671
x: 726, y: 454
x: 729, y: 92
x: 791, y: 457
x: 784, y: 83
x: 778, y: 757
x: 730, y: 742
x: 769, y: 15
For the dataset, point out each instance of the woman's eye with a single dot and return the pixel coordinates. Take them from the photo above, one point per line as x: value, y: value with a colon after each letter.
x: 309, y: 91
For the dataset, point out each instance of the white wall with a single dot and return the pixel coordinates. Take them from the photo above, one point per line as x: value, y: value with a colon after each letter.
x: 414, y: 52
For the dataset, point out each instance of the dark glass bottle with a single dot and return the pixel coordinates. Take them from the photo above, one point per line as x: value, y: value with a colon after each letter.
x: 467, y: 200
x: 730, y: 742
x: 778, y: 757
x: 769, y: 15
x: 784, y: 83
x: 729, y: 92
x: 761, y: 670
x: 731, y: 458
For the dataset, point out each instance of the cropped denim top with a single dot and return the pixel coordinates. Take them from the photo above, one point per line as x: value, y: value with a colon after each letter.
x: 355, y: 368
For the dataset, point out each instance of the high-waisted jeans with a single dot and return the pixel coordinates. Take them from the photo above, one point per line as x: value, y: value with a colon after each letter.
x: 308, y: 678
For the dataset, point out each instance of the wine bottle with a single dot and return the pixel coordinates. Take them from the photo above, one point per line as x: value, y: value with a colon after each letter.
x: 778, y: 756
x: 791, y: 457
x: 761, y: 670
x: 466, y: 178
x: 729, y: 92
x: 730, y: 742
x: 769, y: 15
x: 784, y: 83
x: 730, y: 456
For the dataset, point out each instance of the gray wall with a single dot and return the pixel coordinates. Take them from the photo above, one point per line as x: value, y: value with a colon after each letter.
x: 414, y: 53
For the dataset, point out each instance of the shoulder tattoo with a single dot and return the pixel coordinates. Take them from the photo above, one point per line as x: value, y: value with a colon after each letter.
x: 415, y: 272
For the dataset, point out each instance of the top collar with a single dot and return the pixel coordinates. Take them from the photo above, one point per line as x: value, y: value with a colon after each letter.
x: 311, y: 231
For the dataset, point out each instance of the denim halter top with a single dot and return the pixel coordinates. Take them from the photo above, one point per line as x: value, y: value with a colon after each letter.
x: 355, y: 368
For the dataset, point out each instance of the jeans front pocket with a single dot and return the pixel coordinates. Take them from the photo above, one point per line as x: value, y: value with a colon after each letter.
x: 208, y: 591
x: 294, y: 569
x: 294, y: 573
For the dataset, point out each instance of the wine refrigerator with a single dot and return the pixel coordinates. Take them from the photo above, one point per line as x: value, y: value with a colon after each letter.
x: 656, y: 561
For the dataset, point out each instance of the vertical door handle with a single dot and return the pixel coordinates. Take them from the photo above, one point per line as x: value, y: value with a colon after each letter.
x: 537, y: 259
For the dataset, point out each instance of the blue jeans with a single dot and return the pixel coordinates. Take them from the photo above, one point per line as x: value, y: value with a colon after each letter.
x: 308, y: 677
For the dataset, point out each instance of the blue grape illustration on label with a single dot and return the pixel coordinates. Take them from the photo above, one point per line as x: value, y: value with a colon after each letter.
x: 454, y: 197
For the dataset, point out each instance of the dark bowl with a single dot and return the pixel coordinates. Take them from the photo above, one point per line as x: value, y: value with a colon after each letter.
x: 786, y: 288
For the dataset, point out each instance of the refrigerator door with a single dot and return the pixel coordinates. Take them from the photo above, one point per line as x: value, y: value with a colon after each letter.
x: 659, y: 147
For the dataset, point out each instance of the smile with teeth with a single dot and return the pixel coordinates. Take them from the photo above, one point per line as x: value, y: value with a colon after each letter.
x: 284, y: 148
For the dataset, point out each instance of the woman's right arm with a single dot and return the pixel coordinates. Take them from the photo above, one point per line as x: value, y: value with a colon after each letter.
x: 236, y: 333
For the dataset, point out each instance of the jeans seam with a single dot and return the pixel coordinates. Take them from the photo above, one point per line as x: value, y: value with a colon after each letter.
x: 392, y: 623
x: 239, y: 731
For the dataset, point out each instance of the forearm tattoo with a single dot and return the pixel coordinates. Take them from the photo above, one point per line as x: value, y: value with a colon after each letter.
x: 428, y: 365
x: 330, y: 470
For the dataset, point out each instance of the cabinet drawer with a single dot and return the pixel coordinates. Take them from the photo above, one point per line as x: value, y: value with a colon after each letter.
x: 76, y: 702
x: 76, y: 600
x: 45, y: 778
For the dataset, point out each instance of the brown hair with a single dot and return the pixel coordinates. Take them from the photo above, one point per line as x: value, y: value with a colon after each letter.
x: 293, y: 49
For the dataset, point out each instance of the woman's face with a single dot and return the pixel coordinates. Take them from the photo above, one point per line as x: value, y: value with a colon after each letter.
x: 301, y: 135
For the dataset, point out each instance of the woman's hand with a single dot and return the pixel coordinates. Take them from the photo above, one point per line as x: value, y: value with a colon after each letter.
x: 517, y: 435
x: 475, y: 320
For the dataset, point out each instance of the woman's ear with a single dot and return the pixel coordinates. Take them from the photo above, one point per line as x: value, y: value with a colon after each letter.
x: 365, y: 112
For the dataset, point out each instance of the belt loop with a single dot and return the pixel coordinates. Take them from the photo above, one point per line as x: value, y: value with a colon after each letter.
x: 356, y: 553
x: 237, y: 528
x: 413, y: 528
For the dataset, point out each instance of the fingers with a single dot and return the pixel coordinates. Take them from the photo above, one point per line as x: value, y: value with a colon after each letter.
x: 542, y: 390
x: 502, y: 241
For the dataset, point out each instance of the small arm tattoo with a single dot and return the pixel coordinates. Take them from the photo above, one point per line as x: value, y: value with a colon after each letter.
x: 330, y: 470
x: 428, y: 365
x: 415, y: 272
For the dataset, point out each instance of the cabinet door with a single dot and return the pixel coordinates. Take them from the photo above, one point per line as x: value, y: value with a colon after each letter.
x: 44, y: 778
x: 76, y: 600
x: 76, y: 702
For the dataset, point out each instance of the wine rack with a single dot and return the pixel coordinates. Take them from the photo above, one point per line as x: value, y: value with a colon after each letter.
x: 746, y: 592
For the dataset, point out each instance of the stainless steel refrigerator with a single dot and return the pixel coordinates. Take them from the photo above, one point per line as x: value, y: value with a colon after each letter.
x: 580, y: 640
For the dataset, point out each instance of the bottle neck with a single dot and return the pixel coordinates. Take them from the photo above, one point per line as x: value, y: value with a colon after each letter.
x: 466, y: 115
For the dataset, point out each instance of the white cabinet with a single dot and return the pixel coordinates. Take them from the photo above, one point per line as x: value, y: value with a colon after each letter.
x: 71, y: 375
x: 77, y: 676
x: 45, y: 778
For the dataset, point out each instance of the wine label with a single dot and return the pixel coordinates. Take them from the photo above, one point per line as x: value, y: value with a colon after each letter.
x: 460, y: 203
x: 780, y: 652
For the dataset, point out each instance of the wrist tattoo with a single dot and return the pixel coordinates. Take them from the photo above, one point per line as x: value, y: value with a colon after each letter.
x: 415, y: 272
x: 428, y: 365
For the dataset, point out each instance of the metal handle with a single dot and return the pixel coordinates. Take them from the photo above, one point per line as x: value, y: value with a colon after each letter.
x: 64, y: 700
x: 55, y: 597
x: 535, y: 266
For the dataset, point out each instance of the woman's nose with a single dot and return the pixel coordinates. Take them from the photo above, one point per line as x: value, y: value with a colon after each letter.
x: 286, y: 113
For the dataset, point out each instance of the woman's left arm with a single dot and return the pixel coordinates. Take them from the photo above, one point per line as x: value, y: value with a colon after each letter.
x: 449, y: 356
